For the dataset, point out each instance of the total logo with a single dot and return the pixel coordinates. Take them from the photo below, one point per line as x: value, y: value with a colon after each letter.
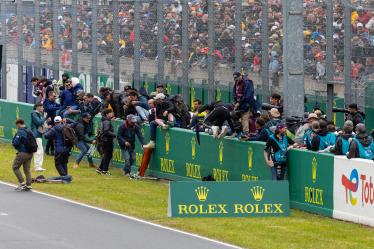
x: 356, y: 183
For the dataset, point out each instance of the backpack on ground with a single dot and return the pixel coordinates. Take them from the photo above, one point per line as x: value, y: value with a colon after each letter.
x: 70, y: 136
x: 30, y: 143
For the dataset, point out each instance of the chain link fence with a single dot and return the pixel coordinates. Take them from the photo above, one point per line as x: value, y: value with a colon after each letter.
x: 190, y: 42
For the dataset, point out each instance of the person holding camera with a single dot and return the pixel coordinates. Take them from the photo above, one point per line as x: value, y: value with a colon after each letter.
x: 362, y: 145
x: 275, y: 152
x: 342, y: 142
x: 354, y: 115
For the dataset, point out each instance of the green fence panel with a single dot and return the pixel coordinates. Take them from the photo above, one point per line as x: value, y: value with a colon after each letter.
x: 223, y: 93
x: 172, y: 88
x: 311, y: 177
x: 369, y: 120
x: 196, y: 92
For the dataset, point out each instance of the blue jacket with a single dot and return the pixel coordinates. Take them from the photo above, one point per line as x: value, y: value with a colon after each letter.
x: 51, y: 108
x: 19, y: 140
x: 247, y: 102
x: 67, y: 99
x: 37, y: 120
x: 56, y: 134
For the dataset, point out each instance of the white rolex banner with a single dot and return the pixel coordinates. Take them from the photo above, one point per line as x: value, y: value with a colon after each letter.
x: 353, y: 190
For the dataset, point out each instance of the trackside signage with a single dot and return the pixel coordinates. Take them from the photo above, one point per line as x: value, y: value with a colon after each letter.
x: 228, y: 199
x: 353, y: 190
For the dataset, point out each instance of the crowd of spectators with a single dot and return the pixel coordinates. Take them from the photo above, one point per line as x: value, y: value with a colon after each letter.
x: 251, y: 26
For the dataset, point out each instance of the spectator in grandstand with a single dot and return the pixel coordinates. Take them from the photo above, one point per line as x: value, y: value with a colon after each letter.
x: 342, y: 142
x: 106, y: 137
x: 126, y: 140
x: 322, y: 139
x: 163, y: 118
x: 51, y: 108
x: 62, y: 148
x: 37, y: 127
x: 23, y: 157
x: 243, y: 95
x: 275, y: 152
x: 362, y: 145
x: 85, y: 135
x: 354, y: 115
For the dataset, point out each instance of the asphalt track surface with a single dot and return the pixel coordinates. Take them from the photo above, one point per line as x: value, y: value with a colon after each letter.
x: 33, y: 220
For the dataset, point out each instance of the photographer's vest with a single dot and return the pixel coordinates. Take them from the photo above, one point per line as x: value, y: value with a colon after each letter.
x: 345, y: 145
x: 365, y: 152
x: 281, y: 155
x: 326, y: 141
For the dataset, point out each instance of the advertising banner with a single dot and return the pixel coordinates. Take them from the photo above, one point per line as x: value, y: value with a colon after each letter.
x: 228, y: 199
x: 353, y: 190
x: 311, y: 181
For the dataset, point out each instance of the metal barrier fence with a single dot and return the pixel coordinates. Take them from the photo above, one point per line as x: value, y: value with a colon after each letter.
x: 190, y: 42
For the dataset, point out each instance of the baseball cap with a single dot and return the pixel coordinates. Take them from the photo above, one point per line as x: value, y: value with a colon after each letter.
x: 159, y: 85
x: 280, y: 126
x: 236, y: 75
x: 57, y: 119
x: 131, y: 118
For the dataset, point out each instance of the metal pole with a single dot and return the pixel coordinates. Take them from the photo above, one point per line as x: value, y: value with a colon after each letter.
x: 74, y: 38
x: 185, y: 50
x: 329, y: 58
x: 37, y: 39
x: 347, y: 54
x: 238, y: 35
x: 294, y: 58
x: 137, y: 43
x: 93, y: 86
x: 21, y: 89
x: 265, y: 51
x: 160, y: 42
x: 4, y: 56
x: 211, y: 45
x: 56, y: 48
x: 115, y: 52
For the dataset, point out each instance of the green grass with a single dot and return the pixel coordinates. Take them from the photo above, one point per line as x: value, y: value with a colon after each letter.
x: 148, y: 200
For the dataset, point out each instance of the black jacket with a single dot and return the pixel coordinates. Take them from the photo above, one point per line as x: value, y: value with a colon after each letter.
x: 165, y: 105
x: 106, y: 130
x: 339, y: 144
x: 84, y: 131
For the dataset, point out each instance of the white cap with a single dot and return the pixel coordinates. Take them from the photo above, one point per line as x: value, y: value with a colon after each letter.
x: 160, y: 96
x: 360, y: 25
x: 57, y: 119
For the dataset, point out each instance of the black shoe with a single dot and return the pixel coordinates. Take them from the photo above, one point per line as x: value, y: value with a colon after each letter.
x: 28, y: 188
x: 99, y: 171
x: 107, y: 173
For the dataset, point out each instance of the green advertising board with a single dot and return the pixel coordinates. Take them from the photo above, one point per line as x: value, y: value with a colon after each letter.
x: 229, y: 199
x: 311, y: 177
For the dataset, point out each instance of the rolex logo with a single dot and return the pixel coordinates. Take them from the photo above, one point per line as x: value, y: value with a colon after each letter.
x: 220, y: 152
x: 250, y: 158
x: 17, y: 112
x: 258, y: 193
x: 192, y: 95
x: 168, y: 88
x: 202, y: 193
x: 218, y: 94
x: 314, y: 169
x: 167, y: 142
x: 193, y: 147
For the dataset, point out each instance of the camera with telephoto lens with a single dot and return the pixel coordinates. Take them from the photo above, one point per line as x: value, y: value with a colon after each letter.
x: 278, y: 168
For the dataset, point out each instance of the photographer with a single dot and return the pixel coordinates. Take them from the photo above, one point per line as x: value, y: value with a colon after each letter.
x: 362, y: 146
x: 322, y: 139
x: 342, y: 142
x: 275, y: 152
